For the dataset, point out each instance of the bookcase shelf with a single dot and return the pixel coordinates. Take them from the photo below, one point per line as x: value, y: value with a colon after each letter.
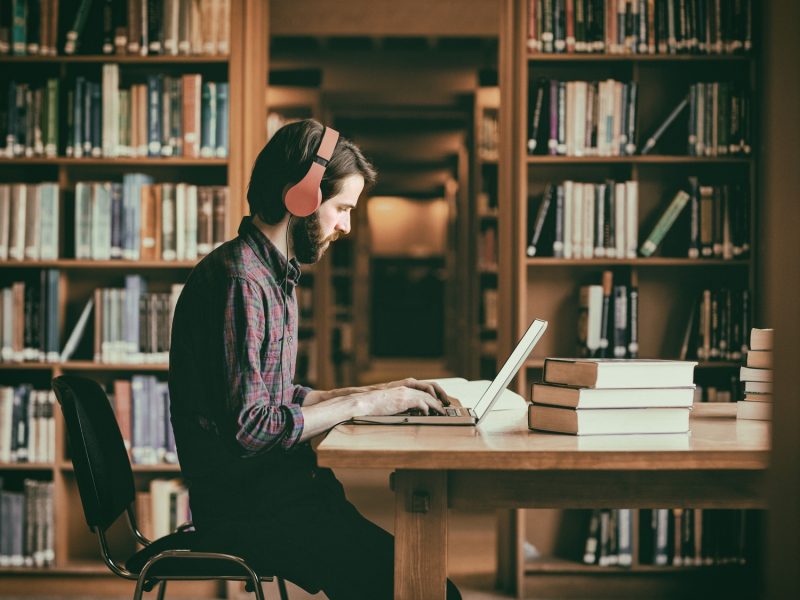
x: 120, y: 58
x: 575, y: 57
x: 26, y: 467
x: 638, y: 262
x: 122, y: 162
x: 121, y: 265
x: 647, y: 159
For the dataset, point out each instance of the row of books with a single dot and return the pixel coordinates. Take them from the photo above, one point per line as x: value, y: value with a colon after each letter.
x: 608, y: 318
x: 162, y: 508
x: 136, y: 219
x: 131, y: 326
x: 30, y: 320
x: 27, y: 425
x: 596, y: 396
x: 757, y: 376
x: 141, y: 407
x: 640, y: 26
x: 26, y: 525
x: 718, y: 225
x: 583, y: 118
x: 585, y: 220
x: 718, y: 326
x: 163, y: 117
x: 667, y: 537
x: 141, y: 27
x: 29, y: 221
x: 142, y: 220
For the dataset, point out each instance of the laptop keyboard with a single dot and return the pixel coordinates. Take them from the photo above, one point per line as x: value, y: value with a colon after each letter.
x: 448, y: 412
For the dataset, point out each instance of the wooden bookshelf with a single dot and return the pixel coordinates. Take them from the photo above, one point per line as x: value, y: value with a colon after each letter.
x: 547, y: 288
x: 78, y: 568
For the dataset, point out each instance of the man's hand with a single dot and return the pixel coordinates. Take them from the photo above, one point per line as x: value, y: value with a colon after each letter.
x: 394, y: 399
x: 434, y: 389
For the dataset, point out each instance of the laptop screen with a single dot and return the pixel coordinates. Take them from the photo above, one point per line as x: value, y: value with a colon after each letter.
x: 510, y: 368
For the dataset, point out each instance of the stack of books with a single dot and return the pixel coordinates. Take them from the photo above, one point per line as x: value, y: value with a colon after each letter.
x: 613, y: 396
x: 757, y: 378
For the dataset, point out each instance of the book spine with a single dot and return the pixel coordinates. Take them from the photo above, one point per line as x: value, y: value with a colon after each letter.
x: 558, y: 242
x: 664, y: 224
x: 541, y: 216
x: 552, y: 142
x: 605, y: 319
x: 620, y: 338
x: 694, y: 227
x: 633, y: 313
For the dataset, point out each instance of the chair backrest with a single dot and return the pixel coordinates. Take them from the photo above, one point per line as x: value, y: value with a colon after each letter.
x: 102, y: 468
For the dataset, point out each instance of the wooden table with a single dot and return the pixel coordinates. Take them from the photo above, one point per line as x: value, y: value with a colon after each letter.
x: 501, y: 464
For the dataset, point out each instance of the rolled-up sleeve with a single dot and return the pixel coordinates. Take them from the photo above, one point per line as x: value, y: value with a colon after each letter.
x: 262, y: 420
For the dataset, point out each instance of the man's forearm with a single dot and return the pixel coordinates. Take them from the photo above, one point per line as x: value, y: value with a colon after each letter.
x: 316, y: 396
x: 323, y: 414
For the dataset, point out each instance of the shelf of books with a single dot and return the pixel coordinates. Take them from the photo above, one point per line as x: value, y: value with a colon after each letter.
x: 484, y: 216
x: 115, y: 129
x: 630, y: 196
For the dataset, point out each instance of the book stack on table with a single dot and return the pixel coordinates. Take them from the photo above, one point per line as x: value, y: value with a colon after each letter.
x: 613, y: 396
x: 757, y: 378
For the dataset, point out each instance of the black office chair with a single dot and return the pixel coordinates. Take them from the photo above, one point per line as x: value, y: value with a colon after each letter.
x: 105, y: 482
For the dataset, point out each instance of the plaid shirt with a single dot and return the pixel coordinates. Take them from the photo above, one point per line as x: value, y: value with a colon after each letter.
x: 226, y: 372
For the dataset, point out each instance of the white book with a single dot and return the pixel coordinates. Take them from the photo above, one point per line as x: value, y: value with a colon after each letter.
x: 180, y: 221
x: 754, y: 411
x: 32, y: 221
x: 579, y: 127
x: 49, y: 222
x: 620, y: 229
x: 588, y: 220
x: 77, y: 332
x: 568, y: 206
x: 6, y: 422
x: 617, y: 143
x: 191, y: 221
x: 569, y: 123
x: 608, y: 420
x: 751, y: 374
x: 577, y: 220
x: 101, y: 221
x: 110, y: 110
x: 33, y: 416
x: 7, y: 352
x: 758, y: 387
x: 590, y: 398
x: 762, y: 339
x: 631, y: 218
x: 83, y: 221
x: 5, y: 218
x: 16, y: 238
x: 51, y: 428
x: 619, y: 373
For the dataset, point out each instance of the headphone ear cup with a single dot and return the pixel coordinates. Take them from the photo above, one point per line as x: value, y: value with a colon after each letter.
x: 305, y: 196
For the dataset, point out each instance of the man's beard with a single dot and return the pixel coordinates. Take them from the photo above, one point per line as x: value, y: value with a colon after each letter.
x: 307, y: 241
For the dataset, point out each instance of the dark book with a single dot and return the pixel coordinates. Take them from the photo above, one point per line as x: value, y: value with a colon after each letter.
x: 605, y: 318
x: 633, y: 312
x: 656, y: 135
x: 154, y: 95
x: 535, y: 114
x: 535, y: 231
x: 155, y: 33
x: 694, y: 213
x: 222, y: 120
x: 592, y: 536
x: 558, y: 242
x: 620, y: 327
x: 552, y: 141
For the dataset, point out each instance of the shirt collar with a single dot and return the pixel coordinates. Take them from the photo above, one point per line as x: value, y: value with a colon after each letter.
x: 272, y: 258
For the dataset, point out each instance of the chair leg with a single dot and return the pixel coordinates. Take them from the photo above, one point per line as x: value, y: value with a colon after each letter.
x: 257, y: 589
x: 282, y: 588
x: 137, y: 593
x: 162, y: 590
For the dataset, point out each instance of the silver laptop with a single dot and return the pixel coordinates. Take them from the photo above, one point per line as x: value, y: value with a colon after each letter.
x: 471, y: 416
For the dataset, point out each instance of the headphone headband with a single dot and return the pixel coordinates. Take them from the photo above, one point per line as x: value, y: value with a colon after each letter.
x: 304, y: 197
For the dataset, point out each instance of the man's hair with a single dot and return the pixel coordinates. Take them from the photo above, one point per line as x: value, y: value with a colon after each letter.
x: 285, y: 161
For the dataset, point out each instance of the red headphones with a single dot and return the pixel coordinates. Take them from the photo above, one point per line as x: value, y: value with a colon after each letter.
x: 304, y: 197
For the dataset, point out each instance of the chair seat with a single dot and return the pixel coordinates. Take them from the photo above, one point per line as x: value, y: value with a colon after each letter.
x: 184, y: 567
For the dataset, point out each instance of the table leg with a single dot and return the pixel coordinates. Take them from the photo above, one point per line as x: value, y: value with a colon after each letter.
x: 420, y: 546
